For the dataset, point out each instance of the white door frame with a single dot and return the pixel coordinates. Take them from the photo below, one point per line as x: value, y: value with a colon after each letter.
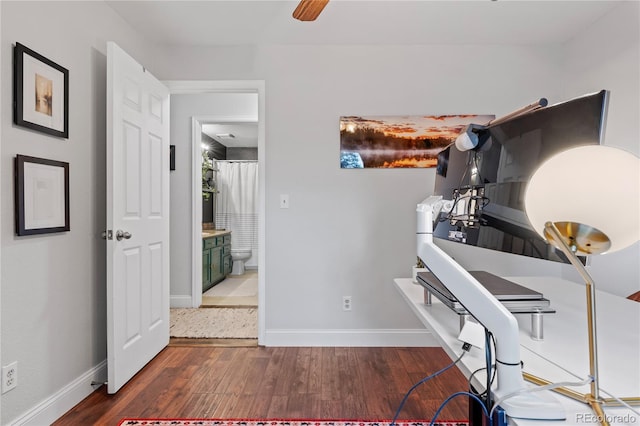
x: 196, y: 214
x: 224, y: 86
x: 1, y: 74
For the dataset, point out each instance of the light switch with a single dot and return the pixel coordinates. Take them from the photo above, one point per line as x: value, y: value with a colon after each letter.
x: 284, y: 201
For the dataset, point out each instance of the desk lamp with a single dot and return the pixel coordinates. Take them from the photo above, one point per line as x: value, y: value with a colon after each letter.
x: 585, y: 201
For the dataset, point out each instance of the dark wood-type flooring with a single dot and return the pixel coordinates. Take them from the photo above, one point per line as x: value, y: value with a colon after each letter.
x: 280, y: 383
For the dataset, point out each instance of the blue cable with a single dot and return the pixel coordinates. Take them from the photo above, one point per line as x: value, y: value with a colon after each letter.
x: 446, y: 401
x: 404, y: 400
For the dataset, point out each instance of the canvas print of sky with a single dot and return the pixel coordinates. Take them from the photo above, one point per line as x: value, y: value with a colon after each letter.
x: 399, y: 141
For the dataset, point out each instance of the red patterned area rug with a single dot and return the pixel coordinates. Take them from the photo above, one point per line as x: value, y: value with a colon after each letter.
x: 214, y: 422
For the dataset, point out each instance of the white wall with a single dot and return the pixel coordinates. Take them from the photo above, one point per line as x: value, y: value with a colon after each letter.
x: 183, y: 108
x: 347, y: 232
x: 53, y: 286
x: 2, y: 77
x: 350, y: 232
x: 607, y: 56
x: 604, y: 56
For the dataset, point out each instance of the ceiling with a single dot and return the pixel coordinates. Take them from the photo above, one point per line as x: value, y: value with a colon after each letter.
x: 211, y: 23
x: 243, y: 22
x: 245, y: 135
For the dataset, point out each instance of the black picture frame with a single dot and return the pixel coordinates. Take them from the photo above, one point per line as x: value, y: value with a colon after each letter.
x: 40, y: 93
x: 41, y: 196
x: 172, y: 157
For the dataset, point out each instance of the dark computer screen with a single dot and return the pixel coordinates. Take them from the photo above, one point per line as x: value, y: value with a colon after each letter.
x: 507, y: 156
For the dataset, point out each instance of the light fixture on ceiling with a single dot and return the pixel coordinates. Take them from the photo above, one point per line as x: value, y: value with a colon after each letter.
x: 308, y: 10
x: 225, y: 136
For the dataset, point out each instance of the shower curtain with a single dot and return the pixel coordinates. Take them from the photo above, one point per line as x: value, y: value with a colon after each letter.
x: 237, y: 205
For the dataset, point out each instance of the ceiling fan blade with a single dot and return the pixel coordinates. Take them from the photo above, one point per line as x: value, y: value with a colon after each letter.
x: 308, y: 10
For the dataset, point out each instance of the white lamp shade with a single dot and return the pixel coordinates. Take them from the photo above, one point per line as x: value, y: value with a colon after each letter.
x: 593, y: 185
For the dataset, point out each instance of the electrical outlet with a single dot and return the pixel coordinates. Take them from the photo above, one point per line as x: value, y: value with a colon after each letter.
x: 346, y: 303
x: 9, y: 376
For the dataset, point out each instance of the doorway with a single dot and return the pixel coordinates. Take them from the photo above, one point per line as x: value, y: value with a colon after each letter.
x: 230, y: 206
x: 232, y: 117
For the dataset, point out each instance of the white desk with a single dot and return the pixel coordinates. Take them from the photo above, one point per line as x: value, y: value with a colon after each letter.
x: 565, y: 344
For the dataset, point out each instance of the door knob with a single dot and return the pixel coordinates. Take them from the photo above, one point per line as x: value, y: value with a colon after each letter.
x: 121, y: 234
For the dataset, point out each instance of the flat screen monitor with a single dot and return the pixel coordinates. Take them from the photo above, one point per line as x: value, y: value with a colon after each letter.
x: 507, y: 156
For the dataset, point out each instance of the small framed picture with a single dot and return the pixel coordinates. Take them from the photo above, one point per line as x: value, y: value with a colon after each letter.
x: 42, y: 195
x: 40, y: 93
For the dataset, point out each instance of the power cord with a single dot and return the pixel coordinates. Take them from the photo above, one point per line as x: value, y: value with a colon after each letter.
x: 578, y: 377
x: 488, y: 355
x: 466, y: 347
x: 538, y: 389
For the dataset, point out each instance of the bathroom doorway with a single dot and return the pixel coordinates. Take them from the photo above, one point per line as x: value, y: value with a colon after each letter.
x: 225, y: 114
x: 230, y: 207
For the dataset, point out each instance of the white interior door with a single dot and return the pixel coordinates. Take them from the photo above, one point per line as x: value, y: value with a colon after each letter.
x: 137, y: 217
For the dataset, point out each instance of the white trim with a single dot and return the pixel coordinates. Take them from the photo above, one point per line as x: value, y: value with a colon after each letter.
x: 230, y: 86
x: 196, y: 198
x: 65, y: 399
x: 182, y: 301
x: 179, y: 87
x: 196, y: 215
x: 351, y: 338
x: 1, y: 78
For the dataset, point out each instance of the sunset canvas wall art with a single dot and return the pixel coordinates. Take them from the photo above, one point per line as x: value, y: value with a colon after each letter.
x: 399, y: 141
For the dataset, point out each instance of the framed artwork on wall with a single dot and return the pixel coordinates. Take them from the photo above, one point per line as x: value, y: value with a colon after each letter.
x: 40, y: 93
x: 41, y: 196
x: 399, y: 141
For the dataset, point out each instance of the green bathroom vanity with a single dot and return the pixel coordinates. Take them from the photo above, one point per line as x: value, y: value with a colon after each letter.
x: 216, y: 257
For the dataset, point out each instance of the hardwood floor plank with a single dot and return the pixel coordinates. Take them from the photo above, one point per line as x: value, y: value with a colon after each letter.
x: 286, y: 376
x: 330, y: 377
x: 256, y: 368
x: 300, y: 372
x: 314, y: 383
x: 258, y: 382
x: 374, y: 373
x: 196, y: 406
x: 278, y: 406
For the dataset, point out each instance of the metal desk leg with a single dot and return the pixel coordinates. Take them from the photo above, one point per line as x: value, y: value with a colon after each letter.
x: 427, y: 297
x: 537, y: 326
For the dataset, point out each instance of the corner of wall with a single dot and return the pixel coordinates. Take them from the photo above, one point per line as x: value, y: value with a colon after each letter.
x: 1, y: 78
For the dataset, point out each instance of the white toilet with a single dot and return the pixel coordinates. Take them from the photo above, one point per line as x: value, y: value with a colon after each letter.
x: 238, y: 256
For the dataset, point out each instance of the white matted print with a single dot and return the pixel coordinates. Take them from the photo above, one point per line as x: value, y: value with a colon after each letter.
x: 41, y: 91
x: 42, y: 196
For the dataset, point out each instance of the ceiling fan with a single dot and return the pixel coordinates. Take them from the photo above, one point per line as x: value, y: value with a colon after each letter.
x: 308, y: 10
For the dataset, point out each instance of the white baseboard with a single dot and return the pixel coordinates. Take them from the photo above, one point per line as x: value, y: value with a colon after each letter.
x: 370, y: 338
x: 65, y: 399
x: 180, y: 301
